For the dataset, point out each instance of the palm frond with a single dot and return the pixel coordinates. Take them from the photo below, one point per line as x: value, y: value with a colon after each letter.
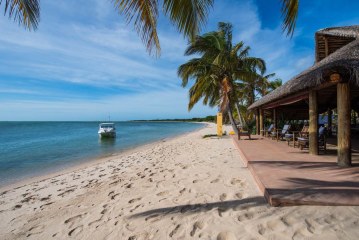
x: 289, y: 14
x: 144, y: 13
x: 189, y: 16
x: 25, y: 12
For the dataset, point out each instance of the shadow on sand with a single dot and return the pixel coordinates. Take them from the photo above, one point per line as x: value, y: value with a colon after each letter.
x: 197, y: 208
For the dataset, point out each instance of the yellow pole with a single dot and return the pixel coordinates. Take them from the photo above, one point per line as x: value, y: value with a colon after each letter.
x: 219, y: 124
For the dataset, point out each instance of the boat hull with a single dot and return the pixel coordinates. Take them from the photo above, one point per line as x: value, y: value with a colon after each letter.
x: 107, y: 134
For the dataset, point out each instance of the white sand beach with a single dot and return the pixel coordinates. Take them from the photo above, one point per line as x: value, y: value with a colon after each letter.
x: 181, y: 188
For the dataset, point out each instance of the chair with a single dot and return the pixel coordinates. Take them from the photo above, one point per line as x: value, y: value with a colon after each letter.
x: 243, y: 133
x: 322, y: 143
x: 280, y: 133
x: 266, y: 131
x: 292, y: 136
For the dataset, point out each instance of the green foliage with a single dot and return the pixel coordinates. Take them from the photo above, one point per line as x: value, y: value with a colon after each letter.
x: 25, y: 12
x: 218, y: 68
x: 188, y: 16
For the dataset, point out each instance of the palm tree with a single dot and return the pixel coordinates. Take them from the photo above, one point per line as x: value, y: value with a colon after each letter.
x: 188, y: 16
x: 249, y: 90
x: 216, y: 72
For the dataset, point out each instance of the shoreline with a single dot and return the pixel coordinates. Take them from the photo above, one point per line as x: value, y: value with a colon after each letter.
x: 92, y: 161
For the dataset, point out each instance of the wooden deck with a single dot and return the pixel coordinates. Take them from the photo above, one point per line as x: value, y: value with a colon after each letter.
x: 289, y: 176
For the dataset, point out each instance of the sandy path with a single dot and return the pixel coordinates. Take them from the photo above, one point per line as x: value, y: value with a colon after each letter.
x: 183, y: 188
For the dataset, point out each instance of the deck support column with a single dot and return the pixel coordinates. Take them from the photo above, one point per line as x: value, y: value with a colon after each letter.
x: 261, y: 122
x: 343, y: 131
x: 313, y: 123
x: 275, y: 118
x: 257, y: 122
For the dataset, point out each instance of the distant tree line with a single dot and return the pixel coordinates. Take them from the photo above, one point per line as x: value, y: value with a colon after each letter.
x: 196, y: 119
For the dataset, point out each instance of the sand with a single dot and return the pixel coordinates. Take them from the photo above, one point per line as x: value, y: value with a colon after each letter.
x: 182, y: 188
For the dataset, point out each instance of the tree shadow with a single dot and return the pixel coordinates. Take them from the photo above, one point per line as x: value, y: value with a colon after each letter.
x: 316, y: 192
x: 202, y: 207
x: 323, y: 166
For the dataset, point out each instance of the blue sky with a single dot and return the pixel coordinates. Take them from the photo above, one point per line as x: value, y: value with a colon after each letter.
x: 84, y: 62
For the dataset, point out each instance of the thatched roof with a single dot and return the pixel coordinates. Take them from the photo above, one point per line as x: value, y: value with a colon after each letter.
x: 344, y: 61
x: 329, y: 40
x: 348, y: 31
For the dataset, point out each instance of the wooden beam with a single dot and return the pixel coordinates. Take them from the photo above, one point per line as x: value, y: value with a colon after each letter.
x: 313, y: 122
x: 288, y: 100
x: 344, y: 143
x: 261, y: 122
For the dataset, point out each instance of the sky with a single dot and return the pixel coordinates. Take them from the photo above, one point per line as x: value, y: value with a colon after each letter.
x: 84, y: 63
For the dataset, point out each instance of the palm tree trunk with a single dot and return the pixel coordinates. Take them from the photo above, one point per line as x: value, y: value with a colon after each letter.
x: 242, y: 122
x: 231, y: 119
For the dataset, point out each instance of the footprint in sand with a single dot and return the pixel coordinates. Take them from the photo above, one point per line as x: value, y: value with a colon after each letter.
x: 75, y: 231
x: 46, y: 204
x: 215, y: 180
x: 175, y: 230
x: 236, y: 181
x: 134, y: 200
x: 153, y: 218
x: 238, y: 195
x: 261, y: 229
x: 223, y: 197
x: 162, y: 193
x: 226, y: 236
x: 245, y: 217
x: 277, y: 226
x: 197, y: 225
x: 182, y: 191
x: 223, y: 212
x: 35, y: 230
x: 17, y: 206
x: 72, y: 220
x: 66, y: 192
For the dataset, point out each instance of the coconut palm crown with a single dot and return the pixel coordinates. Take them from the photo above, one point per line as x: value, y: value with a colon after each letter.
x: 217, y: 69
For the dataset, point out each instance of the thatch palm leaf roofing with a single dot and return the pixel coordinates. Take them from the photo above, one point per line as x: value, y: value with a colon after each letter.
x: 344, y: 61
x: 348, y: 31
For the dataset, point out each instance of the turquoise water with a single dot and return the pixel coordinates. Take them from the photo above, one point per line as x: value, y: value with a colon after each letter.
x: 28, y: 149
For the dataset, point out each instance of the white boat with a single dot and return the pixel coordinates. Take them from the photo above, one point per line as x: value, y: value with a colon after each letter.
x: 107, y: 130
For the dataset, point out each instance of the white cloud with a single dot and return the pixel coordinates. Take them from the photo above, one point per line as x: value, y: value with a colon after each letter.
x: 90, y: 45
x: 152, y: 105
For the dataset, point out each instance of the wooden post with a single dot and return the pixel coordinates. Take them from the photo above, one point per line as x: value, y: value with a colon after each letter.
x: 330, y: 122
x: 275, y: 118
x: 261, y: 122
x: 343, y: 134
x: 313, y: 123
x: 257, y: 123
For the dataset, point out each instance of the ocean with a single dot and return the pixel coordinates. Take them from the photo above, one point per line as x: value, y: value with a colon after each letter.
x: 29, y: 149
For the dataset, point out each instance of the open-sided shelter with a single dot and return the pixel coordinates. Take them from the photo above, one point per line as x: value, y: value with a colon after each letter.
x: 332, y: 82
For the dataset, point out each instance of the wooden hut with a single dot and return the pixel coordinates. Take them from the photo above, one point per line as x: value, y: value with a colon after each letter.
x: 332, y: 82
